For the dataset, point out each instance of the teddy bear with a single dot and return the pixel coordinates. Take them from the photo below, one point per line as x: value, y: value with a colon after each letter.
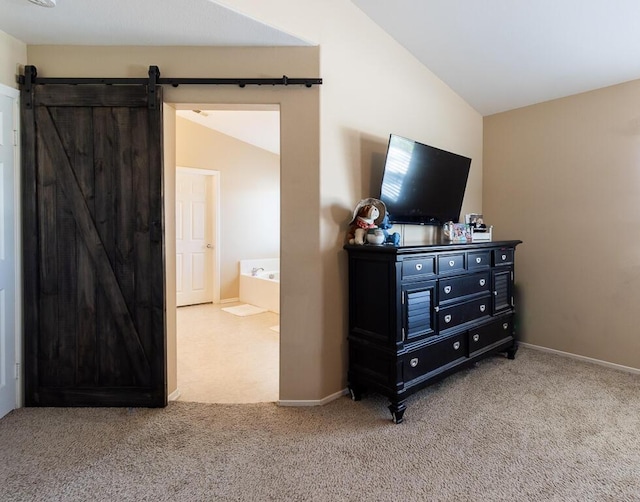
x: 366, y: 216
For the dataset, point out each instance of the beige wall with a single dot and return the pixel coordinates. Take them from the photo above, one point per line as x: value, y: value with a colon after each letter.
x: 564, y: 176
x: 372, y: 87
x: 249, y: 196
x: 13, y: 57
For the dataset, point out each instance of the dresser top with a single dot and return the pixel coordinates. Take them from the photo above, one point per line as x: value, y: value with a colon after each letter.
x: 431, y: 248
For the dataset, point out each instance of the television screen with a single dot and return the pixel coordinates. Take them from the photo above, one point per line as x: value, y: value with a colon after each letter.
x: 422, y: 184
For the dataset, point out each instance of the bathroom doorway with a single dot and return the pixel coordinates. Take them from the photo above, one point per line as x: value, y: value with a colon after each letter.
x: 223, y: 357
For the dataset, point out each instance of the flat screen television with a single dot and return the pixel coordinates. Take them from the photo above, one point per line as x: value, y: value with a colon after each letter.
x: 421, y: 184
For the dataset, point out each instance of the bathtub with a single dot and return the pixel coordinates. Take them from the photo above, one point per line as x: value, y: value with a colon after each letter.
x: 263, y: 288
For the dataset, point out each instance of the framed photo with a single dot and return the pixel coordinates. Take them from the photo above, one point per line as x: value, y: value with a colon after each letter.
x: 474, y: 219
x: 460, y: 232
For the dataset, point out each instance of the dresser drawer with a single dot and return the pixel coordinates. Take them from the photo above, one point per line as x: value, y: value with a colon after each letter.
x: 478, y: 260
x: 484, y: 336
x: 502, y: 257
x: 449, y: 317
x: 456, y: 287
x: 451, y: 263
x: 425, y: 360
x: 419, y: 268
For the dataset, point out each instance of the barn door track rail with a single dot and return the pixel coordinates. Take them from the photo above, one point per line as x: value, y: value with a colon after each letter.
x: 30, y: 78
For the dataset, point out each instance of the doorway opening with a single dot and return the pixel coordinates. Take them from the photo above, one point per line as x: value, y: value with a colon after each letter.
x: 227, y: 219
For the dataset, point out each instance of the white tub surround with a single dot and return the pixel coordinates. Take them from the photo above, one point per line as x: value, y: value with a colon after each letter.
x: 260, y: 283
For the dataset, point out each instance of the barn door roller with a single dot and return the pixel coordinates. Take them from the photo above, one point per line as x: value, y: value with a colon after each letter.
x: 30, y: 78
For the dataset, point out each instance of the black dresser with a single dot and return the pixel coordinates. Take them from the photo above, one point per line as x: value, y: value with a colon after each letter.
x: 419, y: 313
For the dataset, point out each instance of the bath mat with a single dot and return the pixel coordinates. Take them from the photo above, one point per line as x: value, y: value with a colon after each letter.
x: 244, y: 310
x: 275, y: 328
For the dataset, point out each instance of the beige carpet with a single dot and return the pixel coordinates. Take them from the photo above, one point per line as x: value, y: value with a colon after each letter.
x: 540, y: 428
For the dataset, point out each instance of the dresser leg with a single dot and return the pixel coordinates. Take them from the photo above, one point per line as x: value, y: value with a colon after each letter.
x: 355, y: 392
x: 511, y: 353
x: 397, y: 411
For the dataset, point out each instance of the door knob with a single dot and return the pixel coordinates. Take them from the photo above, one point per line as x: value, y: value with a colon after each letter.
x: 209, y: 246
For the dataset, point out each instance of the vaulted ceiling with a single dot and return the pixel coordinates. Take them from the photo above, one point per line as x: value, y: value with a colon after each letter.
x: 505, y: 54
x: 496, y: 54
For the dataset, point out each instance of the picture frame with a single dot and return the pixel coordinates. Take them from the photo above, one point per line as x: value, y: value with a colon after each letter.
x: 460, y: 232
x: 476, y: 220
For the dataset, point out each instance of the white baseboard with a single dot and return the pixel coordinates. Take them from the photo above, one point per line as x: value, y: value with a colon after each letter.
x: 317, y: 402
x: 619, y: 367
x: 174, y: 395
x: 230, y: 300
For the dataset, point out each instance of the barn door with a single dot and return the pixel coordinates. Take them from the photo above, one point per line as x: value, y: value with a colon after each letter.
x: 94, y: 287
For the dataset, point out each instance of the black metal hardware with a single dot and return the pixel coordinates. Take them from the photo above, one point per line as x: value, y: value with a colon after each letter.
x: 29, y: 79
x: 154, y: 75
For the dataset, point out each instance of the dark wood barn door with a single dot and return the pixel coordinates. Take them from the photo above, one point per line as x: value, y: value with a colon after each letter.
x: 93, y: 246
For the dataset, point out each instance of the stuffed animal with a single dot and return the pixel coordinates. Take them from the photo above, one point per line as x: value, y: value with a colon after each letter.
x: 393, y: 238
x: 363, y: 222
x: 366, y: 216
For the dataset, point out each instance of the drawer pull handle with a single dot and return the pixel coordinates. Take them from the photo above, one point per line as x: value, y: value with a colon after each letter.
x: 447, y: 318
x: 452, y: 263
x: 478, y: 260
x: 483, y: 308
x: 476, y: 337
x: 505, y: 325
x: 418, y: 266
x: 414, y: 362
x: 456, y: 345
x: 482, y: 282
x: 504, y: 257
x: 447, y: 289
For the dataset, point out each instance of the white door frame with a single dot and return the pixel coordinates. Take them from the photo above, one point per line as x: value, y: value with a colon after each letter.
x: 215, y: 222
x: 15, y: 95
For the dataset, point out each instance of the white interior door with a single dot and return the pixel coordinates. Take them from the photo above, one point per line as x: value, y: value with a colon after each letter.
x: 8, y: 264
x: 194, y: 238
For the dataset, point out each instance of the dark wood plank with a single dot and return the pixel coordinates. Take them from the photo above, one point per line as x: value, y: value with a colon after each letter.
x: 48, y: 367
x: 142, y: 242
x: 124, y: 264
x: 67, y: 279
x: 140, y: 364
x: 90, y: 95
x: 157, y: 270
x: 76, y: 273
x: 30, y: 256
x: 105, y: 396
x: 105, y: 135
x: 113, y: 363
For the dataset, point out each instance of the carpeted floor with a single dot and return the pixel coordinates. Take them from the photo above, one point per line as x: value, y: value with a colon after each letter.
x: 540, y: 428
